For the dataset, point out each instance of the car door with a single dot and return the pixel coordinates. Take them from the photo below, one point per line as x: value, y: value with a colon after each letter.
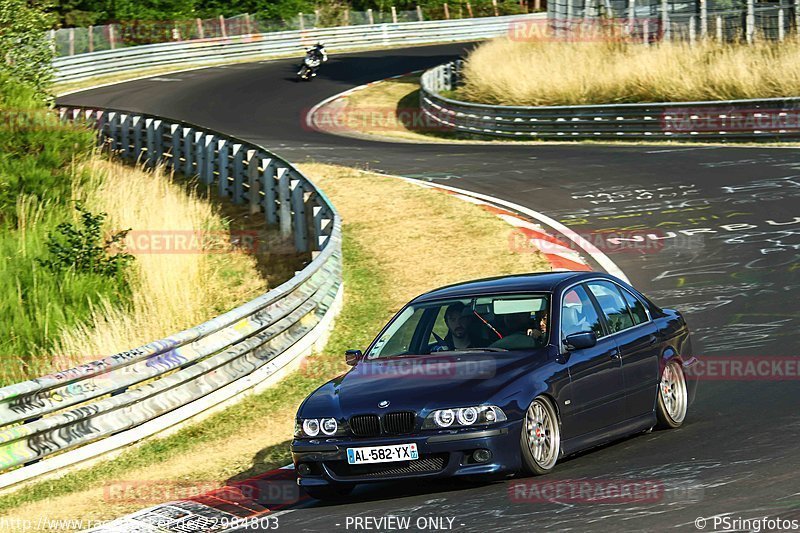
x: 596, y: 394
x: 637, y: 339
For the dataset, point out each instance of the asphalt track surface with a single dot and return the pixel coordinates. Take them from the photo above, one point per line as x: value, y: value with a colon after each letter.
x: 737, y: 454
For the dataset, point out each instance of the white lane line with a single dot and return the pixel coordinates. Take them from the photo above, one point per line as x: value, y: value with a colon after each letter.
x: 602, y: 259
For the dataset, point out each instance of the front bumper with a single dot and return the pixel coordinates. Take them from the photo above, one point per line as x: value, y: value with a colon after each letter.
x: 441, y: 454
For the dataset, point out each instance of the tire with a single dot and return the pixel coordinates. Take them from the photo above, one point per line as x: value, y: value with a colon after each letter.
x: 330, y: 492
x: 672, y: 400
x: 540, y: 439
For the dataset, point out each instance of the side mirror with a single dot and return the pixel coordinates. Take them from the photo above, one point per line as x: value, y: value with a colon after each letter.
x: 352, y: 357
x: 579, y: 341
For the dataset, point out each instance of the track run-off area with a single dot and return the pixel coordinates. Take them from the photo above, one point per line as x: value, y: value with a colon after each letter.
x: 721, y: 242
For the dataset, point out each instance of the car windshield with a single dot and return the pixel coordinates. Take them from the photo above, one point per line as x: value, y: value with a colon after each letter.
x: 489, y: 322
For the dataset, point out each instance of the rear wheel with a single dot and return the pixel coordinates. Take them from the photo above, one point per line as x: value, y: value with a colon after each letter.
x: 540, y: 441
x: 330, y: 492
x: 672, y: 398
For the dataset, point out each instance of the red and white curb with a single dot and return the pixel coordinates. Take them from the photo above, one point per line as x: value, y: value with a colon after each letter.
x: 532, y: 225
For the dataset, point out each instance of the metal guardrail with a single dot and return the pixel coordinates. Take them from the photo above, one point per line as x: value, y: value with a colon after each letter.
x: 54, y: 421
x: 287, y: 43
x: 743, y: 120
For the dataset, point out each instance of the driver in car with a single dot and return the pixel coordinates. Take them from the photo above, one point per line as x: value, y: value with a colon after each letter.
x: 458, y: 326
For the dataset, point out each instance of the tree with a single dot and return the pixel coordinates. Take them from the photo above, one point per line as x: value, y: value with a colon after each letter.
x: 25, y: 51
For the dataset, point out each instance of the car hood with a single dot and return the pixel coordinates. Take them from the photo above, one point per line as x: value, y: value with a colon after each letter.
x: 420, y: 382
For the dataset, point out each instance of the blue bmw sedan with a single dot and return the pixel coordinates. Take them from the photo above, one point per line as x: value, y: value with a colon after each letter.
x: 494, y: 377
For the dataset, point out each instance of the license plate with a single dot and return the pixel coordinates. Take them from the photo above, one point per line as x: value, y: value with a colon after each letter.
x: 382, y: 454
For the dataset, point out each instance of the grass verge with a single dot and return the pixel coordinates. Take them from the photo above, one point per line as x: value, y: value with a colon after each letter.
x: 389, y: 257
x: 540, y: 72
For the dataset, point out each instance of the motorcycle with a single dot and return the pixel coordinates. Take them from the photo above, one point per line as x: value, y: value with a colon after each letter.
x: 309, y: 67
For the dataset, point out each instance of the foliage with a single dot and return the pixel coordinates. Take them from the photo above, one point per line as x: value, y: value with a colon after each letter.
x: 83, y: 248
x: 24, y: 48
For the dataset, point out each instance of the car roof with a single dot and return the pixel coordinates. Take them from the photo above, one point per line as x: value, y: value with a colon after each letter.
x: 533, y: 282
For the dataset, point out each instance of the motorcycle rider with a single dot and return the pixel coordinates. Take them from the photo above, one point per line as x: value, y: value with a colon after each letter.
x: 318, y: 53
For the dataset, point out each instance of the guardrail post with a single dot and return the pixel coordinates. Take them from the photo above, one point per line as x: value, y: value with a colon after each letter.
x: 665, y: 24
x: 223, y: 163
x: 419, y: 13
x: 797, y: 18
x: 446, y: 11
x: 253, y: 194
x: 317, y: 212
x: 631, y: 17
x: 200, y: 33
x: 158, y: 153
x: 394, y: 15
x: 238, y: 174
x: 299, y: 216
x: 719, y: 28
x: 177, y: 142
x: 210, y: 148
x: 703, y: 19
x: 102, y: 127
x: 138, y: 122
x: 222, y: 27
x: 284, y: 205
x: 111, y: 38
x: 494, y: 5
x: 71, y: 41
x: 692, y: 30
x: 302, y: 22
x: 750, y: 21
x: 269, y: 184
x: 188, y: 138
x: 150, y: 142
x: 370, y: 18
x: 781, y: 35
x: 199, y: 153
x: 125, y: 135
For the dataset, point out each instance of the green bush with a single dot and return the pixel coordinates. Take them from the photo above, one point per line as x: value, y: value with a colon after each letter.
x: 83, y: 249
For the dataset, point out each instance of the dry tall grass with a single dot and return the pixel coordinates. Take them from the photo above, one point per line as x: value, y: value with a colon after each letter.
x: 171, y: 291
x: 507, y: 72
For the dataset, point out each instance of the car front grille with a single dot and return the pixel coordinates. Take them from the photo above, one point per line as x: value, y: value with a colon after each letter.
x: 399, y: 423
x: 365, y: 425
x: 426, y: 464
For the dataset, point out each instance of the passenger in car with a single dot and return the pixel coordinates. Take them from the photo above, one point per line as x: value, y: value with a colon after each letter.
x: 522, y: 336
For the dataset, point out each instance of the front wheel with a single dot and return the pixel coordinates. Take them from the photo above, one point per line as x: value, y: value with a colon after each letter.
x: 540, y: 441
x: 672, y: 400
x: 330, y: 492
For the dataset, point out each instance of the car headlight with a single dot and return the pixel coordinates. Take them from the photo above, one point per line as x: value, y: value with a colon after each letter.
x: 464, y: 417
x: 313, y: 427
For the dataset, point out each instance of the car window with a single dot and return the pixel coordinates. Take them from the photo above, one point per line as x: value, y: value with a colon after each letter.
x: 504, y: 321
x: 578, y: 314
x: 439, y: 327
x: 614, y: 307
x: 396, y: 340
x: 635, y: 306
